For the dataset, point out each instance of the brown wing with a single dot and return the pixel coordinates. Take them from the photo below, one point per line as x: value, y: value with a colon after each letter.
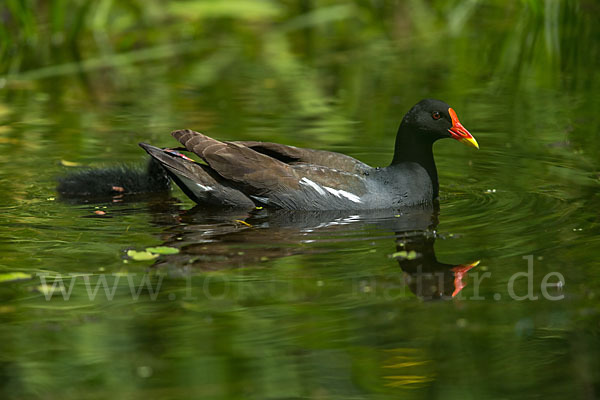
x: 238, y: 163
x: 292, y: 155
x: 271, y: 181
x: 297, y: 185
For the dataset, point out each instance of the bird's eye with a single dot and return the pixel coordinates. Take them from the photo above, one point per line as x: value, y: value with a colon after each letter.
x: 436, y: 115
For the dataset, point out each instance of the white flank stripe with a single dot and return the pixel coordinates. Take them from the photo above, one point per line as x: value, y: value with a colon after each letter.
x: 308, y: 182
x: 342, y: 193
x: 334, y: 192
x: 205, y: 188
x: 350, y: 196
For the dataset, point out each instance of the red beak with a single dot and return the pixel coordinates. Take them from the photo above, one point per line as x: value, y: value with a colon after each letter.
x: 459, y: 273
x: 459, y: 132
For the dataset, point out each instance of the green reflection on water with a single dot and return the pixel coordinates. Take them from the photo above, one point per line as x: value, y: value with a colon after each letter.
x: 320, y: 311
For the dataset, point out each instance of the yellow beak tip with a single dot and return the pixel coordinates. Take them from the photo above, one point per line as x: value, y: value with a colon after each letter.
x: 471, y: 142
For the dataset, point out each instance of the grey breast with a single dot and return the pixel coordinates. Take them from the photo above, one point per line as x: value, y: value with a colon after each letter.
x: 400, y: 185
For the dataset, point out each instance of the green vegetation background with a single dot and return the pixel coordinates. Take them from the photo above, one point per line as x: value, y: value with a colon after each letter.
x: 309, y: 60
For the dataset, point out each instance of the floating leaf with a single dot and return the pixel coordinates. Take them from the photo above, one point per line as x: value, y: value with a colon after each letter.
x: 407, y: 255
x: 45, y: 289
x: 141, y: 255
x: 14, y: 276
x: 162, y: 250
x: 66, y: 163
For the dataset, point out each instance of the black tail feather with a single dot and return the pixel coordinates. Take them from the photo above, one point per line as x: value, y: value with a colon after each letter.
x: 114, y: 181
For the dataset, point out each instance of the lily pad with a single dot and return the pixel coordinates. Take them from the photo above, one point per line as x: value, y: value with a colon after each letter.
x: 14, y: 276
x: 141, y: 255
x: 66, y: 163
x: 162, y: 250
x: 407, y: 255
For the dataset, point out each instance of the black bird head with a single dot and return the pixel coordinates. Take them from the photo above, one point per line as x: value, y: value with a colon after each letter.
x: 432, y: 119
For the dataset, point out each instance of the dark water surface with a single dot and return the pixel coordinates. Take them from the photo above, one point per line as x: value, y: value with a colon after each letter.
x: 314, y: 305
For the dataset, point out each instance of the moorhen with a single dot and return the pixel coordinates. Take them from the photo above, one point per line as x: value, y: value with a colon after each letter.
x: 251, y: 174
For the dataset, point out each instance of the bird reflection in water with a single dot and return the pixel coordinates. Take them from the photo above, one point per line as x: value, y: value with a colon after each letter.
x: 426, y: 277
x: 219, y: 239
